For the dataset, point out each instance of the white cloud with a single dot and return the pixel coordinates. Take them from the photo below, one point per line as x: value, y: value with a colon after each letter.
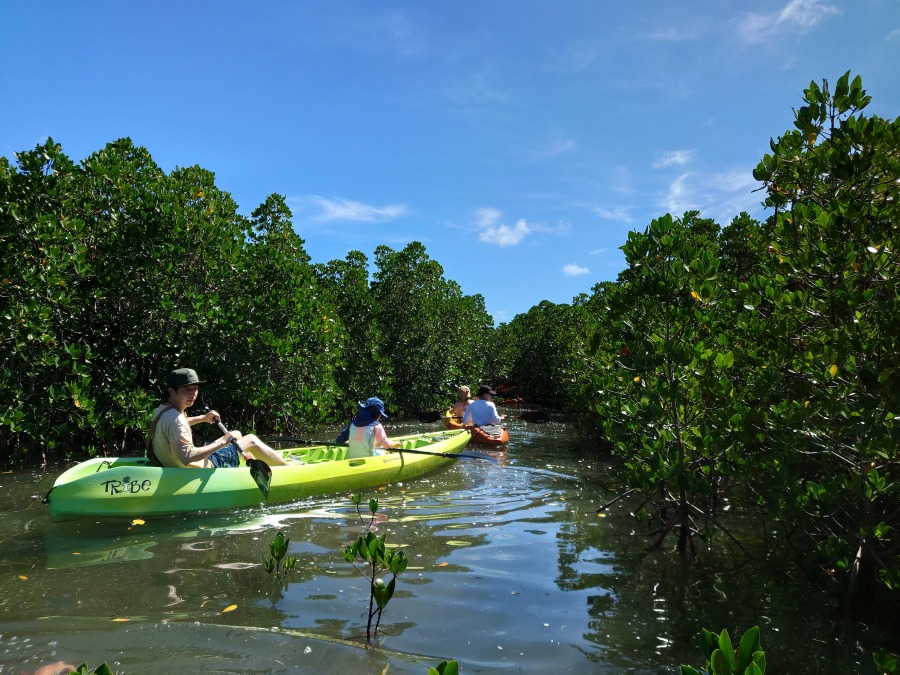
x: 679, y: 197
x: 331, y: 210
x: 598, y: 251
x: 797, y: 16
x: 575, y: 270
x: 619, y: 213
x: 493, y: 231
x: 504, y: 235
x: 674, y: 158
x: 804, y: 14
x: 487, y: 217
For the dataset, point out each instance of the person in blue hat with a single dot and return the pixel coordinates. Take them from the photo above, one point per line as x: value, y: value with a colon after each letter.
x: 365, y: 434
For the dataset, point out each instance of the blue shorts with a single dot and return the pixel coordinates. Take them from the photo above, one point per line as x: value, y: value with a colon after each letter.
x: 226, y: 458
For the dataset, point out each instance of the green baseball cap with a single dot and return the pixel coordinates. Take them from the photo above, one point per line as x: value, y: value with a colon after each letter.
x: 181, y: 377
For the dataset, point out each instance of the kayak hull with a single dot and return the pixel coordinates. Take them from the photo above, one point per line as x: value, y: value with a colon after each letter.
x: 493, y: 435
x: 132, y: 487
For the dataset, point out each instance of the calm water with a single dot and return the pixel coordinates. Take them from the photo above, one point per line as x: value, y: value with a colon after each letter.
x: 511, y: 571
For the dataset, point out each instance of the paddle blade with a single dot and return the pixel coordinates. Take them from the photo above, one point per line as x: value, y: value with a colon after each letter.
x: 262, y: 474
x: 427, y: 417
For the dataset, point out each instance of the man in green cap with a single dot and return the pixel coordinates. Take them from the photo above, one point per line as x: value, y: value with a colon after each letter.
x: 170, y: 432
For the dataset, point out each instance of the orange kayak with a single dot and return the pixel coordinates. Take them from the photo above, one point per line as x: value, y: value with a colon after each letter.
x: 490, y: 435
x: 451, y: 421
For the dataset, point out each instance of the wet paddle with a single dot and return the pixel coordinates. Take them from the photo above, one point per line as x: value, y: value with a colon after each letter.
x: 259, y: 470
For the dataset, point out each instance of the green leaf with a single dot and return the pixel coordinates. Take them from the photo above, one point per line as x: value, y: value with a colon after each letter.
x: 886, y: 662
x: 719, y: 664
x: 759, y: 660
x: 447, y: 668
x: 749, y: 645
x: 727, y: 649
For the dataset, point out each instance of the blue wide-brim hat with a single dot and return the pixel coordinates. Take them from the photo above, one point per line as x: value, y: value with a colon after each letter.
x: 376, y: 403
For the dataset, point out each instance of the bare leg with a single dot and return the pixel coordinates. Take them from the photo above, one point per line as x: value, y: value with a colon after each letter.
x: 252, y: 444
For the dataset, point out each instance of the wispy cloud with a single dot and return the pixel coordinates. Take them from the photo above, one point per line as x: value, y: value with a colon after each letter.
x: 388, y: 32
x: 621, y: 181
x: 554, y: 145
x: 797, y: 16
x: 576, y: 57
x: 680, y: 33
x: 478, y: 87
x: 720, y: 195
x: 618, y: 213
x: 334, y: 210
x: 674, y: 158
x: 893, y: 35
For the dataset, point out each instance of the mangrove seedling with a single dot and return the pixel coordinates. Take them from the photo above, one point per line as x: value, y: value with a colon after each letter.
x: 723, y: 659
x: 279, y: 561
x: 445, y: 668
x: 102, y: 669
x: 376, y: 558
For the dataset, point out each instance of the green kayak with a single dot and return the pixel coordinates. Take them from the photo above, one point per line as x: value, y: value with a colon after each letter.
x: 132, y: 487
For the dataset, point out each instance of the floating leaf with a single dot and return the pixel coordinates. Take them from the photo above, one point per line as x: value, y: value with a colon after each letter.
x: 137, y: 521
x: 230, y: 608
x: 23, y: 577
x: 121, y: 619
x: 601, y: 515
x: 442, y: 564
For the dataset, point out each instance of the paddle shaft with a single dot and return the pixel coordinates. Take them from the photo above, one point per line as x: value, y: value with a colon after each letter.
x: 243, y: 453
x: 449, y: 455
x: 535, y: 416
x: 259, y: 470
x: 414, y: 452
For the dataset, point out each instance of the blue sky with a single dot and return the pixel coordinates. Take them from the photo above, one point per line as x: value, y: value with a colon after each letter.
x: 519, y: 140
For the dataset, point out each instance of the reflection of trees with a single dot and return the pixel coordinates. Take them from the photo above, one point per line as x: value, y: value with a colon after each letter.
x: 648, y: 606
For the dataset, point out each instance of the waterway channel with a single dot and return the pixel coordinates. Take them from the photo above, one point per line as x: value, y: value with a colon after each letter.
x: 511, y: 571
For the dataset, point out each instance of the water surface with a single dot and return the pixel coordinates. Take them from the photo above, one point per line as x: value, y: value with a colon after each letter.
x: 511, y: 570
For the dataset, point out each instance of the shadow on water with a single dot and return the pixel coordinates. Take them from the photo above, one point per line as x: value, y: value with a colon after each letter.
x: 510, y: 570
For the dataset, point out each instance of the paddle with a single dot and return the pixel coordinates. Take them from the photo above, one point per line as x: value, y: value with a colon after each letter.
x: 468, y: 455
x: 304, y: 441
x: 534, y: 416
x: 259, y: 470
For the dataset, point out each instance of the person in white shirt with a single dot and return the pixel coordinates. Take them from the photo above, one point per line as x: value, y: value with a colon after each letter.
x: 482, y: 412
